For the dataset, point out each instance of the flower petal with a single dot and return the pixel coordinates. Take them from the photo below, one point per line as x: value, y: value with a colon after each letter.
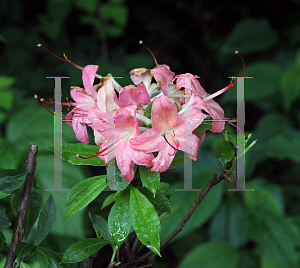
x: 131, y: 95
x: 140, y: 75
x: 80, y: 130
x: 164, y: 113
x: 163, y: 160
x: 88, y: 76
x: 163, y: 76
x: 150, y: 141
x: 124, y: 161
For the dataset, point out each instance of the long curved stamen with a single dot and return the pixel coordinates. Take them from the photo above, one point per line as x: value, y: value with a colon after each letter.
x: 79, y: 113
x: 142, y: 43
x: 231, y: 83
x: 164, y: 135
x: 52, y: 102
x: 96, y: 154
x: 43, y: 101
x: 103, y: 150
x: 238, y: 129
x: 66, y: 60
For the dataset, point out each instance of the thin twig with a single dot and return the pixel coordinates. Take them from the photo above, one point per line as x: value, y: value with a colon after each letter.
x: 212, y: 182
x: 89, y: 261
x: 18, y: 233
x: 127, y: 248
x: 136, y: 245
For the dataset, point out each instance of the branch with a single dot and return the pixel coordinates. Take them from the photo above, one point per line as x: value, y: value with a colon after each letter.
x: 136, y: 245
x: 89, y: 261
x: 127, y: 247
x: 18, y: 233
x: 212, y: 182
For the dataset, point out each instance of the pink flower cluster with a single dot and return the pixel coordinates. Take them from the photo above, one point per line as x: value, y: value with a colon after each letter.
x: 116, y: 116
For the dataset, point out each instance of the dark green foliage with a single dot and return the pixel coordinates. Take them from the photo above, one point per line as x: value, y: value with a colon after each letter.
x: 229, y: 229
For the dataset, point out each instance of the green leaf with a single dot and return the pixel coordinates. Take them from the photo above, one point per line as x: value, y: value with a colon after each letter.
x: 163, y: 186
x: 148, y: 109
x: 70, y: 150
x: 48, y: 258
x: 4, y: 221
x: 264, y: 84
x: 119, y: 181
x: 32, y: 124
x: 119, y: 222
x: 116, y: 13
x: 262, y: 200
x: 24, y: 265
x: 250, y: 36
x: 229, y: 223
x: 2, y: 243
x: 84, y: 193
x: 216, y: 255
x: 290, y: 83
x: 108, y: 200
x: 179, y: 160
x: 6, y: 100
x: 174, y: 208
x: 225, y: 152
x: 149, y: 179
x: 276, y: 239
x: 46, y: 220
x: 100, y: 225
x: 11, y: 179
x: 87, y: 5
x: 62, y: 235
x: 2, y: 195
x: 203, y: 126
x: 6, y: 81
x: 266, y: 263
x: 23, y: 250
x: 145, y: 220
x: 208, y: 206
x: 83, y: 249
x: 281, y: 147
x: 33, y: 208
x: 160, y: 202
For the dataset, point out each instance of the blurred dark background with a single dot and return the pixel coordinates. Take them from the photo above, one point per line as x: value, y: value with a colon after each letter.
x: 244, y: 229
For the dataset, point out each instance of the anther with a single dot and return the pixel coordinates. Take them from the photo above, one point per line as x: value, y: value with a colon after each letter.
x: 231, y: 83
x: 35, y: 96
x: 142, y: 43
x: 96, y: 154
x: 66, y: 60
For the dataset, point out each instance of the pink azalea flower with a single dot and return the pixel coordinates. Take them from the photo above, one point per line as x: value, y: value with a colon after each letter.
x: 124, y: 129
x: 192, y: 87
x: 163, y: 76
x: 84, y: 101
x: 131, y: 95
x: 143, y: 75
x: 168, y: 133
x: 103, y: 110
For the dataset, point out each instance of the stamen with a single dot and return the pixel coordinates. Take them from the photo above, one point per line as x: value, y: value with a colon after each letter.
x: 66, y: 60
x: 231, y: 83
x: 96, y: 154
x: 52, y: 102
x: 238, y: 129
x: 164, y: 135
x: 142, y: 43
